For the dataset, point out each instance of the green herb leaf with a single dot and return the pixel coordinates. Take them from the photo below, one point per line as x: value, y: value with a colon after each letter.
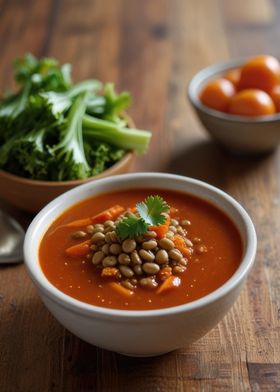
x: 151, y: 210
x: 131, y: 227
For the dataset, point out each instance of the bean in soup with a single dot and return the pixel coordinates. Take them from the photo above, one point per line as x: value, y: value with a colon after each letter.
x: 115, y: 252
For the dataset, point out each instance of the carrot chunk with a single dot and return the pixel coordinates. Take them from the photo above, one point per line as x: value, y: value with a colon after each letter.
x: 109, y: 272
x: 164, y: 273
x: 121, y: 290
x: 180, y: 244
x: 170, y: 283
x: 78, y: 250
x: 79, y: 223
x: 162, y: 229
x: 109, y: 214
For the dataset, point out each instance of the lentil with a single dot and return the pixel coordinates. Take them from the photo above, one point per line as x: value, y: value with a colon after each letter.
x: 148, y: 245
x: 97, y: 237
x: 150, y: 234
x: 151, y: 268
x: 181, y: 231
x: 138, y: 269
x: 79, y: 234
x: 174, y: 222
x: 149, y: 282
x: 185, y: 222
x: 188, y: 242
x: 90, y: 229
x: 127, y: 285
x: 161, y: 256
x: 124, y: 259
x: 135, y: 258
x: 146, y: 255
x: 183, y: 262
x: 109, y: 261
x: 178, y: 269
x: 128, y: 245
x: 97, y: 257
x: 166, y: 243
x: 115, y: 249
x: 106, y: 249
x: 175, y: 254
x: 113, y: 236
x: 126, y: 271
x: 108, y: 237
x: 109, y: 223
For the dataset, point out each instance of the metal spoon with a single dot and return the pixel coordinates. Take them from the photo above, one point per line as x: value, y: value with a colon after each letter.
x: 11, y: 240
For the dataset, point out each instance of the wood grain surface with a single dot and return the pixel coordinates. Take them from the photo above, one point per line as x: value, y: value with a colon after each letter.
x: 152, y: 48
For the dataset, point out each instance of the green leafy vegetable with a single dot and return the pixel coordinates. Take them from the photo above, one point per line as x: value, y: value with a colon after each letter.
x: 151, y: 210
x: 68, y: 156
x: 45, y: 133
x: 151, y: 213
x: 106, y: 131
x: 131, y: 227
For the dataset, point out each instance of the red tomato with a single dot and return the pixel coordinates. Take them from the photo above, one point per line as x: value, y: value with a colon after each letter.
x: 217, y: 94
x: 260, y: 72
x: 252, y: 102
x: 234, y: 76
x: 275, y: 95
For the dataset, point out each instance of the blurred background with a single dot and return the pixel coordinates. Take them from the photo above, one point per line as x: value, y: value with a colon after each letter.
x: 150, y: 48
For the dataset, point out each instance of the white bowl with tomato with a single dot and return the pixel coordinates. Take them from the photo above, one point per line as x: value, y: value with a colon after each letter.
x: 238, y: 102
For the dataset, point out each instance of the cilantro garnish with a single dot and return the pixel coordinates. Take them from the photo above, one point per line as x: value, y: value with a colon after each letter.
x: 151, y: 212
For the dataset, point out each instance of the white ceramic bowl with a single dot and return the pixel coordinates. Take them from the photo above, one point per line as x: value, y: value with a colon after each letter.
x: 241, y: 134
x: 140, y: 333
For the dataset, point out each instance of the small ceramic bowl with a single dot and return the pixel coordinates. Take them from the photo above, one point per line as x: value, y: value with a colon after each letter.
x: 237, y: 133
x: 32, y: 195
x: 150, y: 332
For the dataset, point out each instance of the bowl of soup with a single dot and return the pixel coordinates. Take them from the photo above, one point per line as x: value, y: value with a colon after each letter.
x: 140, y: 264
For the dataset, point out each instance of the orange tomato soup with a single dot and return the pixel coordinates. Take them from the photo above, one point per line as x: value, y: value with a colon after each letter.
x: 205, y: 271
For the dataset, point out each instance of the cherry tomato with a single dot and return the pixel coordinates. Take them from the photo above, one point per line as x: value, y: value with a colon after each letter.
x: 217, y: 94
x: 233, y: 76
x: 261, y: 72
x: 275, y: 95
x: 252, y: 102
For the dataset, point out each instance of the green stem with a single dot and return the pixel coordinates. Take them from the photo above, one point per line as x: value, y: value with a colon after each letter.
x: 126, y: 138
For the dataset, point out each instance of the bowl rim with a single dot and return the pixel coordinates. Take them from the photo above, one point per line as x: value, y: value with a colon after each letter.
x: 215, y: 70
x: 79, y: 307
x: 69, y: 183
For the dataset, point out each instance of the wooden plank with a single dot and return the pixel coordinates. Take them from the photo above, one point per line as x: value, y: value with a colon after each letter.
x: 252, y: 13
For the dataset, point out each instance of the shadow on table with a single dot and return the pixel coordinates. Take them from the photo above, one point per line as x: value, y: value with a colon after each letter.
x: 208, y: 161
x: 92, y: 368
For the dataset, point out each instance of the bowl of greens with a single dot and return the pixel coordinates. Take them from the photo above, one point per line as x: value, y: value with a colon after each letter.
x: 55, y: 135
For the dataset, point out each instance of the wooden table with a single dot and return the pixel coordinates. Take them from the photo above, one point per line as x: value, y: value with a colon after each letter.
x: 152, y: 48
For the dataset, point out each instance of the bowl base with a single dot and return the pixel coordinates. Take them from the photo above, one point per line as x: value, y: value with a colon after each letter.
x: 144, y: 355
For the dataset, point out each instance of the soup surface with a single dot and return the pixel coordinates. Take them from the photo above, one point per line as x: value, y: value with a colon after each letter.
x: 216, y: 251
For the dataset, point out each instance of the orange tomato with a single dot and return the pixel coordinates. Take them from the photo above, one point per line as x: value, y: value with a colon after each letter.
x: 251, y: 102
x: 233, y: 76
x: 275, y: 95
x: 217, y: 94
x: 261, y: 72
